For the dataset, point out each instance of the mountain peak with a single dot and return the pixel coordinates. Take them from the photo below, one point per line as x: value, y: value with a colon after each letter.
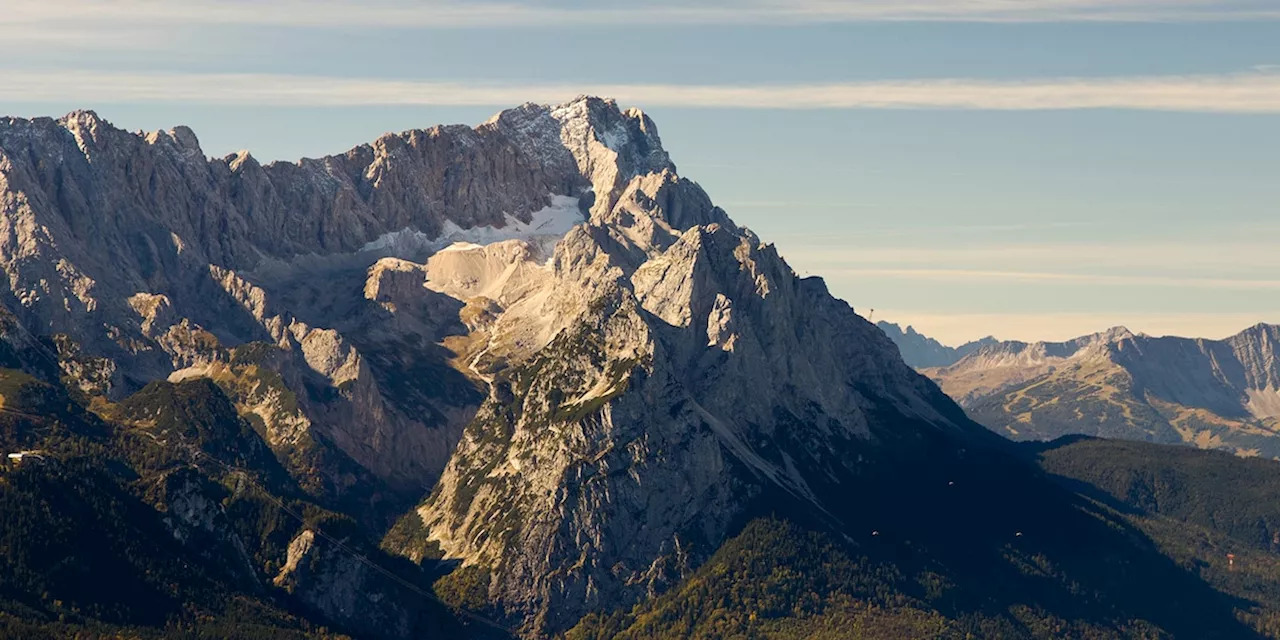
x: 1117, y: 332
x: 1262, y: 329
x: 240, y: 159
x: 83, y: 117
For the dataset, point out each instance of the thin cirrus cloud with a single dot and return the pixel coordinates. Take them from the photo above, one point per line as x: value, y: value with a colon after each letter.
x: 989, y: 276
x: 1258, y: 257
x: 457, y: 14
x: 1226, y: 93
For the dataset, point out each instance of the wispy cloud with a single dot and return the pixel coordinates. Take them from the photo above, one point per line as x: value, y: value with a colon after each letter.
x: 1232, y: 93
x: 1257, y: 257
x: 1049, y: 276
x: 1038, y: 277
x: 849, y: 241
x: 455, y: 14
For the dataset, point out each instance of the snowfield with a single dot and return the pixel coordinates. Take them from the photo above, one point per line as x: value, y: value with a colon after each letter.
x: 554, y: 220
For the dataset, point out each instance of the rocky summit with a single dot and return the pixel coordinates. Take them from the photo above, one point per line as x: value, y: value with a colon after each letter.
x: 575, y: 385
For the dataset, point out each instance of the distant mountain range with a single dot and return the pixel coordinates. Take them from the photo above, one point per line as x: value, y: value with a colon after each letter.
x: 1218, y: 394
x: 922, y: 352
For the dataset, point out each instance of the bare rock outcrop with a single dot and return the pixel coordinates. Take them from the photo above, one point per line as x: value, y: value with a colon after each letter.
x: 334, y: 582
x: 672, y: 370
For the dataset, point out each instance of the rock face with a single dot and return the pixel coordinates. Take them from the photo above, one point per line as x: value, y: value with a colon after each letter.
x: 344, y: 589
x: 1210, y: 393
x: 660, y: 375
x: 922, y: 352
x: 147, y: 260
x: 197, y: 520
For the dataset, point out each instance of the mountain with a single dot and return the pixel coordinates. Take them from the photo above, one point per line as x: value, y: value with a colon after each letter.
x: 670, y: 371
x: 526, y: 370
x: 173, y: 519
x: 132, y: 259
x: 922, y: 352
x: 667, y: 383
x: 1209, y: 393
x: 142, y: 259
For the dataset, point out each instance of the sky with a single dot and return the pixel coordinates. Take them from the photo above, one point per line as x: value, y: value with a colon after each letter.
x: 1029, y: 169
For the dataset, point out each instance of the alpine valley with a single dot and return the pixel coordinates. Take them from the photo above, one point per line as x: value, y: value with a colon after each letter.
x: 525, y: 380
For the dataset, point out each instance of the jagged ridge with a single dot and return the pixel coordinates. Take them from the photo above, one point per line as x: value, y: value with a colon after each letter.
x: 921, y: 351
x: 1210, y: 393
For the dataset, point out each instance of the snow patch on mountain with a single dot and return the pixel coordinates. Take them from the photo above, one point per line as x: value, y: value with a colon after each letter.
x: 554, y: 220
x: 462, y: 246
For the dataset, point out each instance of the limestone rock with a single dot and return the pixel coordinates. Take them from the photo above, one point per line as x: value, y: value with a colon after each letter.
x: 672, y: 370
x: 344, y: 589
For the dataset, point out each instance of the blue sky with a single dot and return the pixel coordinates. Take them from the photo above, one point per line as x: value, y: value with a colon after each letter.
x: 1036, y: 169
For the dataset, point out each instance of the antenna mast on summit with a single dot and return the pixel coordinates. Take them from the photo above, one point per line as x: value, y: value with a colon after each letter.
x: 871, y: 315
